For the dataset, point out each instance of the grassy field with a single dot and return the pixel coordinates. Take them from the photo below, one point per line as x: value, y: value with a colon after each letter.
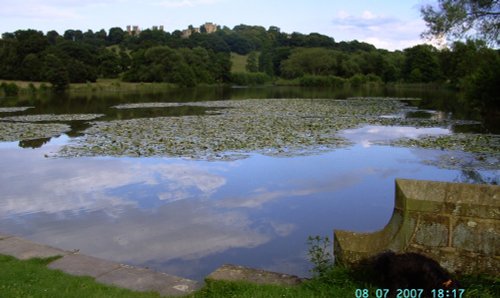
x: 31, y: 278
x: 238, y: 63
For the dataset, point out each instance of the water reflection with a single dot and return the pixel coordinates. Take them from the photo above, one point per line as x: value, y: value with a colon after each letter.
x: 188, y: 217
x: 82, y: 185
x: 371, y: 134
x: 34, y: 143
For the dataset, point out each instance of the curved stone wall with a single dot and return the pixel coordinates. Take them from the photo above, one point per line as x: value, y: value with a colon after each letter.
x: 456, y: 224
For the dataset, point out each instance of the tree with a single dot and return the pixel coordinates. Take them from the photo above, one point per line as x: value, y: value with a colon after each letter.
x: 421, y: 64
x: 52, y: 37
x: 311, y: 61
x: 456, y: 18
x: 115, y: 36
x: 56, y: 73
x: 252, y: 65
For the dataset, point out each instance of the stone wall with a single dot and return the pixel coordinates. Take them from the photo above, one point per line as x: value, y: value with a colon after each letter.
x: 458, y: 225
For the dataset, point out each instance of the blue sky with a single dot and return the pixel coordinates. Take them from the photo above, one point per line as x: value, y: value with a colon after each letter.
x: 390, y: 24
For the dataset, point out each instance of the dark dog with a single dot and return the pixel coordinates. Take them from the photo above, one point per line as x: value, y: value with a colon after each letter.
x: 410, y: 271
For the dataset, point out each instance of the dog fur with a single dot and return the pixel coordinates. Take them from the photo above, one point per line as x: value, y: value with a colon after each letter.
x: 410, y: 271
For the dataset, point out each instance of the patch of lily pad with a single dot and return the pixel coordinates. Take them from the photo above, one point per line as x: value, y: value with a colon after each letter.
x: 147, y: 105
x: 269, y: 126
x: 14, y: 109
x: 52, y: 117
x: 383, y: 98
x: 484, y: 150
x: 278, y: 127
x: 11, y: 132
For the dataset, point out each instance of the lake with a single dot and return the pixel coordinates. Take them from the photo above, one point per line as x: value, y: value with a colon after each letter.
x: 188, y: 180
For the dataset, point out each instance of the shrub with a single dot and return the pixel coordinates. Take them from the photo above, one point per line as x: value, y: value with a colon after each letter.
x: 32, y: 88
x: 10, y: 89
x: 321, y: 81
x: 320, y: 255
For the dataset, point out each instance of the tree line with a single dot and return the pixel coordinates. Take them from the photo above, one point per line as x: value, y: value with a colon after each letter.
x: 309, y: 59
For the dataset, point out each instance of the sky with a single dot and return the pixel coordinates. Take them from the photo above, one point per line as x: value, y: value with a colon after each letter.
x: 389, y: 24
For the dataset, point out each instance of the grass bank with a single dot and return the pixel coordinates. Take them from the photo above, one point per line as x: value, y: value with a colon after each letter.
x: 31, y: 278
x: 26, y: 88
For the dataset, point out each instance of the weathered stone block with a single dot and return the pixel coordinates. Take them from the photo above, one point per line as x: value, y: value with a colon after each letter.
x: 457, y: 224
x: 477, y: 235
x: 239, y: 273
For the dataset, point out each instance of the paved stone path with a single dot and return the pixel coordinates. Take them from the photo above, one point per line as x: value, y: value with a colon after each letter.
x: 124, y: 276
x: 134, y: 278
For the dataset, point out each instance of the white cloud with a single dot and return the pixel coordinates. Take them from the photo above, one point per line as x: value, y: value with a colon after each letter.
x: 380, y: 30
x: 77, y: 185
x: 182, y: 230
x: 262, y: 196
x: 369, y: 134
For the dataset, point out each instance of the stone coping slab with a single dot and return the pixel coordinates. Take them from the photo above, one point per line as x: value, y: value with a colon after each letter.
x: 25, y: 249
x: 107, y: 272
x: 77, y: 264
x: 239, y: 273
x: 141, y: 279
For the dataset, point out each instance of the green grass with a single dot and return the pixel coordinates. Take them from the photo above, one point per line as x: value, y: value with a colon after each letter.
x: 238, y: 63
x: 336, y: 283
x: 32, y: 278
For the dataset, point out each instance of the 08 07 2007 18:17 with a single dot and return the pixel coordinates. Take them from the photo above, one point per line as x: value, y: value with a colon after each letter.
x: 410, y: 293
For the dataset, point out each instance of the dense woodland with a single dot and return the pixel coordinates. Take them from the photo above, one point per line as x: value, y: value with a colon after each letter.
x: 202, y: 58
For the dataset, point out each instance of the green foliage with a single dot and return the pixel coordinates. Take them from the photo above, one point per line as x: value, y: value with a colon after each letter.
x: 421, y: 64
x: 455, y: 18
x: 56, y: 73
x: 320, y: 254
x: 482, y: 86
x: 322, y: 81
x: 310, y: 61
x: 10, y: 89
x: 252, y: 64
x: 185, y: 67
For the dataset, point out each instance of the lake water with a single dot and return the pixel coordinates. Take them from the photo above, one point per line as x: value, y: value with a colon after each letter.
x: 186, y: 213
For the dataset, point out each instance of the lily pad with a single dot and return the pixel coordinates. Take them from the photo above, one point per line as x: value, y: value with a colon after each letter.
x: 52, y: 117
x: 11, y: 132
x: 268, y: 126
x: 278, y: 127
x: 146, y: 105
x: 484, y: 149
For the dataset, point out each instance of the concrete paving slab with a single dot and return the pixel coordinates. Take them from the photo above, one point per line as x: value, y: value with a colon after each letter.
x: 25, y: 249
x: 239, y: 273
x: 140, y: 279
x: 77, y: 264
